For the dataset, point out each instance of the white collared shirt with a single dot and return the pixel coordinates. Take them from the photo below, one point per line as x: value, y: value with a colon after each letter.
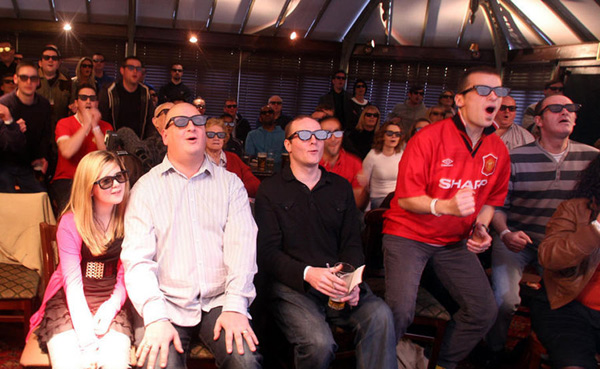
x: 190, y: 244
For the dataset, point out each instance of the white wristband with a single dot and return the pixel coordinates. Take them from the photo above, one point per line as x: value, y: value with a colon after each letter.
x: 432, y: 208
x: 97, y: 128
x: 7, y: 122
x: 504, y: 232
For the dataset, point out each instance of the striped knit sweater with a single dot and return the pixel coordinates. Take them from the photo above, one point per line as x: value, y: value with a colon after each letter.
x: 538, y: 184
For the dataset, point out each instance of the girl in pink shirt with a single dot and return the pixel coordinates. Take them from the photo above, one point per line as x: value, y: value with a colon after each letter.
x: 81, y: 322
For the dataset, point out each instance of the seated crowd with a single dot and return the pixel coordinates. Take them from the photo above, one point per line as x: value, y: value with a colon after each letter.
x: 202, y: 247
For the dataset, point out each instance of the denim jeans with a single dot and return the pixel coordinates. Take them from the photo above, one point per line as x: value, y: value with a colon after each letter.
x: 204, y: 331
x: 113, y: 351
x: 15, y: 175
x: 507, y: 270
x: 304, y: 318
x: 462, y: 275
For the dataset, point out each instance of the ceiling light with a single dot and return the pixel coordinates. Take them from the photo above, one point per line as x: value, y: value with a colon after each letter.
x: 293, y: 35
x: 193, y: 39
x: 67, y: 27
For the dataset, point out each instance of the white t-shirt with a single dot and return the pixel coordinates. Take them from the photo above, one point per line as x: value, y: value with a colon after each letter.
x: 381, y: 172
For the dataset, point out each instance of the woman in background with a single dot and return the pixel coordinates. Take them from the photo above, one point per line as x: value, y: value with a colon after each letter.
x: 358, y: 101
x: 380, y: 167
x: 417, y: 126
x: 361, y: 137
x: 84, y: 74
x: 215, y: 139
x: 81, y: 322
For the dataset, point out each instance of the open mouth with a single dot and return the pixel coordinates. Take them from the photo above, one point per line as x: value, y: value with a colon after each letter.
x: 490, y: 109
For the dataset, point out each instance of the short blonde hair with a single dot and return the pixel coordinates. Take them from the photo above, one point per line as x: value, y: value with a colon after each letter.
x: 81, y: 202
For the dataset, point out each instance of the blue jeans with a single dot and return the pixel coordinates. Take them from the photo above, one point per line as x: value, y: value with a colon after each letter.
x: 462, y: 275
x: 507, y: 270
x: 23, y: 177
x: 304, y: 317
x: 204, y: 331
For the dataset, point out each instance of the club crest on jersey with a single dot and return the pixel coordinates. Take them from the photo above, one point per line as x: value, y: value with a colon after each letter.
x: 489, y: 164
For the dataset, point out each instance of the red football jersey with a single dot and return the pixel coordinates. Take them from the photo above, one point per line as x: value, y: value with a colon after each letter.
x: 439, y: 161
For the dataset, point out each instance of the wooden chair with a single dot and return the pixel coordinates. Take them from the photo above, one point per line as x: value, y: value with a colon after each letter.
x: 431, y: 317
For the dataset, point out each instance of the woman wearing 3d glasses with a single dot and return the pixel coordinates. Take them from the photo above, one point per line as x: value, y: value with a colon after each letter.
x: 81, y: 322
x: 215, y: 139
x: 361, y: 138
x: 380, y: 167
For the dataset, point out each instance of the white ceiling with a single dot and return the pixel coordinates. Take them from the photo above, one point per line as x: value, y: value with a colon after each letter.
x: 432, y: 23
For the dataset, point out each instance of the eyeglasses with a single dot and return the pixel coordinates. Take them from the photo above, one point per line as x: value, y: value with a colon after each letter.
x: 5, y: 49
x: 231, y: 106
x: 25, y: 78
x: 182, y: 121
x: 8, y: 81
x: 508, y: 107
x: 86, y: 66
x: 98, y: 60
x: 422, y: 93
x: 229, y: 124
x: 556, y: 89
x: 372, y: 115
x: 50, y: 57
x: 131, y: 68
x: 393, y: 133
x: 200, y: 106
x: 106, y: 182
x: 337, y: 133
x: 305, y: 135
x: 153, y: 94
x: 361, y: 86
x: 220, y: 135
x: 437, y: 113
x: 340, y: 77
x: 447, y: 96
x: 18, y: 58
x: 164, y: 111
x: 275, y: 102
x: 86, y: 97
x: 557, y: 108
x: 176, y: 70
x: 266, y: 112
x: 483, y: 90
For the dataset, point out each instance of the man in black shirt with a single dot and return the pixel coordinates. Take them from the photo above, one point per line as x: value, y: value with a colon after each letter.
x: 339, y: 99
x: 175, y: 90
x: 127, y: 103
x: 307, y: 220
x: 24, y: 133
x: 7, y: 59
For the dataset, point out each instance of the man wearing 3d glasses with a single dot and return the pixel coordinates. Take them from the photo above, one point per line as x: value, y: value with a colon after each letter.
x: 543, y: 174
x: 189, y: 253
x: 307, y: 222
x: 451, y: 176
x: 76, y: 136
x: 127, y: 103
x: 511, y: 134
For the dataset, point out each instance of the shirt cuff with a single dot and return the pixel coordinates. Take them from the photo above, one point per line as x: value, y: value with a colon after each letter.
x: 596, y: 225
x: 154, y: 311
x: 305, y: 271
x: 239, y: 304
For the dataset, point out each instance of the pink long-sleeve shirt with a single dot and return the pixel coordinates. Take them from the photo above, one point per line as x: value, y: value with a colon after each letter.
x: 68, y: 276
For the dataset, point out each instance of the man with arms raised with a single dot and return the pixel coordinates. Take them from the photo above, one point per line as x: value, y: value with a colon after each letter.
x: 189, y: 253
x: 543, y: 174
x: 307, y: 221
x: 77, y: 136
x: 444, y: 201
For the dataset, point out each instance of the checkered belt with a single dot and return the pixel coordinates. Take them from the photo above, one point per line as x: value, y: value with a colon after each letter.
x: 98, y: 269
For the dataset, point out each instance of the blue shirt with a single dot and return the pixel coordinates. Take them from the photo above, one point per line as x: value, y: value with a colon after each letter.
x: 261, y: 140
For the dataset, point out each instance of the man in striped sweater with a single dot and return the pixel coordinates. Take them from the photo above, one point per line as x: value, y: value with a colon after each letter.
x: 543, y: 173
